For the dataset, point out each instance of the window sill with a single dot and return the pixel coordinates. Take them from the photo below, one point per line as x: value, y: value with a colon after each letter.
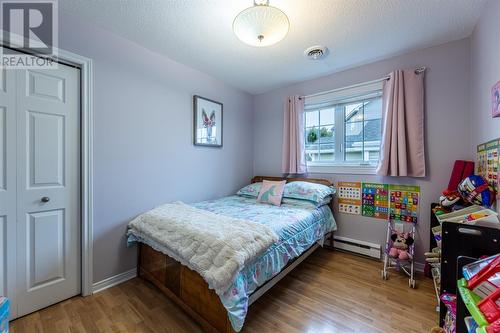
x: 353, y: 169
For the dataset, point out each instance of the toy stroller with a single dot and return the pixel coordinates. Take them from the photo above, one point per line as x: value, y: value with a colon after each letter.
x: 399, y: 250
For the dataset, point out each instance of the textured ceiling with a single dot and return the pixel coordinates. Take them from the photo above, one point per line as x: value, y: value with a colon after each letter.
x: 198, y: 33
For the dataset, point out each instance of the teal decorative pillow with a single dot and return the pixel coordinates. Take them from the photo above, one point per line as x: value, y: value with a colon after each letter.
x: 316, y: 193
x: 301, y: 202
x: 251, y: 190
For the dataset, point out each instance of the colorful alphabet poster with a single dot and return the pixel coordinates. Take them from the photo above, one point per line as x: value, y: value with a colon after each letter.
x: 349, y: 197
x: 404, y: 202
x: 488, y: 155
x: 349, y: 206
x: 381, y: 201
x: 375, y: 200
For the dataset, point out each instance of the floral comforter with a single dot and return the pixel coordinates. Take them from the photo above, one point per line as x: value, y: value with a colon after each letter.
x: 299, y: 225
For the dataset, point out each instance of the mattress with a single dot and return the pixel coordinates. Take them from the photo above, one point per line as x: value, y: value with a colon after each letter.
x: 299, y: 225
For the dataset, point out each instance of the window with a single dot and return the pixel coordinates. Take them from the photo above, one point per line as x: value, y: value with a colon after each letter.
x: 320, y: 135
x: 343, y: 128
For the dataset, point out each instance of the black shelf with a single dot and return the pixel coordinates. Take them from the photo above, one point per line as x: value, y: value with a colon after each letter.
x: 461, y: 240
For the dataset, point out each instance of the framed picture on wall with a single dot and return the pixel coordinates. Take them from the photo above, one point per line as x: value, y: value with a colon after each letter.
x: 207, y: 122
x: 495, y: 100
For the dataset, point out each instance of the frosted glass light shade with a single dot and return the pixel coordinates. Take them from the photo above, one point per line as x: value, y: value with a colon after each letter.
x: 261, y: 25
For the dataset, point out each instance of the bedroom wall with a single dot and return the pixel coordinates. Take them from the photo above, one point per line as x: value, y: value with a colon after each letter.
x: 143, y: 151
x: 446, y: 119
x: 485, y: 72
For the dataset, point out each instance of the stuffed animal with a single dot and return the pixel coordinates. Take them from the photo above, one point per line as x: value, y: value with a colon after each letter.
x: 400, y: 244
x: 447, y: 201
x: 449, y: 198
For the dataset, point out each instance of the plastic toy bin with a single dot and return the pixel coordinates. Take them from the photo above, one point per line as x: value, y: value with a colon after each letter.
x: 4, y: 314
x: 490, y: 308
x: 459, y: 216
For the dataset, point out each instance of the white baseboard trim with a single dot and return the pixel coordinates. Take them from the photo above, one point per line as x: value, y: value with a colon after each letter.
x: 358, y: 247
x: 114, y: 280
x: 372, y: 250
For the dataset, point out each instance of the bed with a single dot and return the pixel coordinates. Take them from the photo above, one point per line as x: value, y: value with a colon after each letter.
x: 301, y: 226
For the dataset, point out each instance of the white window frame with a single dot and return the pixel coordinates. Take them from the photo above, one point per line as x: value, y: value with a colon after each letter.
x: 335, y: 98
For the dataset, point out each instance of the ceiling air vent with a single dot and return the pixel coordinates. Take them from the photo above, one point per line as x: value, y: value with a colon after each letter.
x: 316, y: 52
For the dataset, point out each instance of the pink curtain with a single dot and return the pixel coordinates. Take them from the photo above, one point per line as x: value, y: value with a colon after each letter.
x: 294, y: 159
x: 402, y: 148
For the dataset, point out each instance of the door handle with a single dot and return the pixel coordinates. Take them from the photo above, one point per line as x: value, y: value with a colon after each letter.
x: 45, y: 199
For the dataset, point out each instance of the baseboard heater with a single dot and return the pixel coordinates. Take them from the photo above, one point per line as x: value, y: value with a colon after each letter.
x: 357, y: 246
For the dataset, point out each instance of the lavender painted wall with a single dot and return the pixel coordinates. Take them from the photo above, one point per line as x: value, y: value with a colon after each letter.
x: 143, y: 152
x: 485, y: 72
x: 447, y: 129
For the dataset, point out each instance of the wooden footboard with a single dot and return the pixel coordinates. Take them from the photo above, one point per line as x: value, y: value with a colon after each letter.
x: 189, y: 291
x: 185, y: 287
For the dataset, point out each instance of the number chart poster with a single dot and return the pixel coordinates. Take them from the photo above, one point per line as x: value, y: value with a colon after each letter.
x: 404, y: 202
x: 487, y: 162
x: 375, y: 200
x: 349, y: 197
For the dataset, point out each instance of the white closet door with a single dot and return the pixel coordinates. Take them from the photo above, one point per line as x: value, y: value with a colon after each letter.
x: 48, y: 183
x: 8, y: 186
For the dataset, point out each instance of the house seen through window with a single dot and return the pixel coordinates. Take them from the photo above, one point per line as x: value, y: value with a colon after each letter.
x: 346, y: 132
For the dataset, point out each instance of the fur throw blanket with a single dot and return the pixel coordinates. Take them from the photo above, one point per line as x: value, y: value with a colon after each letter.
x: 215, y: 246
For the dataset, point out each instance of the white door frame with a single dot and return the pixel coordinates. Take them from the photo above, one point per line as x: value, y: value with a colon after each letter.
x: 86, y: 110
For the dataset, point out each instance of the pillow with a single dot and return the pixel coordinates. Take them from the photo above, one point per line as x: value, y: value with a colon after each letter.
x: 316, y: 193
x: 251, y: 190
x: 271, y: 192
x: 294, y: 191
x: 300, y: 202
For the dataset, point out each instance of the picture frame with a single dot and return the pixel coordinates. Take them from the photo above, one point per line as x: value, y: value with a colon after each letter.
x: 207, y: 122
x: 495, y: 100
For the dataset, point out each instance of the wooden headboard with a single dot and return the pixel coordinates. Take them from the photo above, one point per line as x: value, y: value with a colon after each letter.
x: 322, y: 181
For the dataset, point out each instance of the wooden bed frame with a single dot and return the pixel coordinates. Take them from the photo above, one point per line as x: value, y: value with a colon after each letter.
x: 188, y: 289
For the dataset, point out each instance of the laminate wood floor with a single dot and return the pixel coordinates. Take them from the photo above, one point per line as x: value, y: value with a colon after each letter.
x: 329, y: 292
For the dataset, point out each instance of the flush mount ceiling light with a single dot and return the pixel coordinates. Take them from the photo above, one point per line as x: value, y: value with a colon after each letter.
x: 261, y: 25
